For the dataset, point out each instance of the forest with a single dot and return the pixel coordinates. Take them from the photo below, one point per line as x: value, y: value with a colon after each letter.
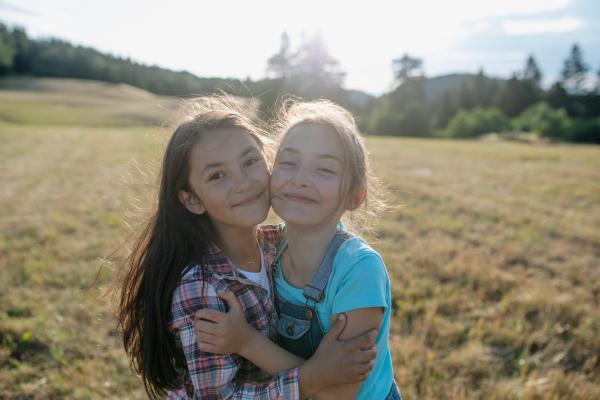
x: 450, y: 106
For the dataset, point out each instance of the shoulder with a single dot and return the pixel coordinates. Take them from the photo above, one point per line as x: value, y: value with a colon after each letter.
x: 359, y: 278
x: 195, y: 290
x: 193, y: 274
x: 356, y: 251
x: 357, y: 260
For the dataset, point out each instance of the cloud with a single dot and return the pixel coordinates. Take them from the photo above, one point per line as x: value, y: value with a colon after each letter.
x: 537, y: 26
x: 15, y: 9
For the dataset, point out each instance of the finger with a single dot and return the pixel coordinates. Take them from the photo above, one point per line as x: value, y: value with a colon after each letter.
x: 231, y: 299
x: 209, y: 314
x: 336, y: 328
x: 202, y: 337
x: 365, y: 368
x: 367, y: 355
x: 362, y: 377
x: 206, y: 327
x: 207, y: 347
x: 364, y: 341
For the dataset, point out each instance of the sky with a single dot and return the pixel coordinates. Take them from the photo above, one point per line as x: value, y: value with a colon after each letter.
x: 235, y: 38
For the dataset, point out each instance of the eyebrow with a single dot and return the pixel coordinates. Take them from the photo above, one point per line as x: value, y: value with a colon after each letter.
x: 220, y: 163
x: 323, y: 155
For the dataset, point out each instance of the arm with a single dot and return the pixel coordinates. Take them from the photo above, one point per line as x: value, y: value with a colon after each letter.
x: 359, y: 321
x: 334, y: 362
x: 359, y: 292
x: 215, y: 376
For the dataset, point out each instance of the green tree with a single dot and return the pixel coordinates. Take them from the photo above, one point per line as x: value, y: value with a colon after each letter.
x: 280, y: 63
x: 408, y: 92
x: 515, y: 95
x: 483, y: 90
x: 574, y: 69
x: 445, y: 107
x: 313, y: 61
x: 24, y: 48
x: 407, y: 68
x: 466, y: 99
x: 475, y: 122
x: 542, y: 119
x: 586, y: 130
x: 416, y: 120
x: 7, y: 50
x: 532, y: 72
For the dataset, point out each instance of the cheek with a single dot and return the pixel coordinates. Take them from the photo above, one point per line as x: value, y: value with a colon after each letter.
x: 277, y: 179
x: 215, y: 197
x: 263, y: 176
x: 329, y: 188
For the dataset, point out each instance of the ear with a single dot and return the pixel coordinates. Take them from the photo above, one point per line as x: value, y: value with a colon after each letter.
x: 356, y: 200
x: 191, y: 202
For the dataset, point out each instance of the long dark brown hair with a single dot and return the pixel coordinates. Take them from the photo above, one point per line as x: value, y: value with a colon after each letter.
x: 171, y: 241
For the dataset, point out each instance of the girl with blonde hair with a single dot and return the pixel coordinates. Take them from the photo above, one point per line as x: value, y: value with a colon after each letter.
x: 321, y: 177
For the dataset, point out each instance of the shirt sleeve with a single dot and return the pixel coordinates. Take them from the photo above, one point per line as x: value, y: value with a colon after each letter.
x: 365, y: 284
x: 214, y: 375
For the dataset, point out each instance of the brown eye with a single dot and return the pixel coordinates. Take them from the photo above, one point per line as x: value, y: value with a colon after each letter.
x: 216, y: 176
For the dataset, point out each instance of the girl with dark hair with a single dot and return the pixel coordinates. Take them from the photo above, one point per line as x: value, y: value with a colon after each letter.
x: 202, y: 239
x: 321, y: 177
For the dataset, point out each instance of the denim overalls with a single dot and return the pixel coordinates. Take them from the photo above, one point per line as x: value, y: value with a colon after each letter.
x: 299, y: 325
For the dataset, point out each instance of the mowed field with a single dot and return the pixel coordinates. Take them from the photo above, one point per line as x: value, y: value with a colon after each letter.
x: 493, y: 251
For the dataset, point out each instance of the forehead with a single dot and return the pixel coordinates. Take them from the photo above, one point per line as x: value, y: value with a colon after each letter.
x: 219, y: 145
x: 315, y: 139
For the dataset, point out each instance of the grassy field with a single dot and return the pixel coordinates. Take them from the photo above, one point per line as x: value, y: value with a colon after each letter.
x: 494, y: 258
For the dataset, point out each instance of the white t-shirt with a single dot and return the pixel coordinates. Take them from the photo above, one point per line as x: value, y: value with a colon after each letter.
x: 259, y: 277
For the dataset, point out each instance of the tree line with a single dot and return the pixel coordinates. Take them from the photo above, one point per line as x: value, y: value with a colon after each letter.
x: 469, y: 106
x: 568, y: 111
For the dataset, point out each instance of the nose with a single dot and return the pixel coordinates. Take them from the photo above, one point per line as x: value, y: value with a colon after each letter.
x: 301, y: 177
x: 241, y: 183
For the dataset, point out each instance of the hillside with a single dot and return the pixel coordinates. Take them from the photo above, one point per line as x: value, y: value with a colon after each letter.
x: 62, y: 101
x: 437, y: 84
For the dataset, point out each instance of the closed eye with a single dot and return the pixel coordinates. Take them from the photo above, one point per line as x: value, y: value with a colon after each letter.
x: 326, y: 170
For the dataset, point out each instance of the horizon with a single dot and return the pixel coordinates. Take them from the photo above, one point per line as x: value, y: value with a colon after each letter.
x: 455, y: 39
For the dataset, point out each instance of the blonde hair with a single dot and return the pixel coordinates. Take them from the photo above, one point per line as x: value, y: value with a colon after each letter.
x: 357, y: 169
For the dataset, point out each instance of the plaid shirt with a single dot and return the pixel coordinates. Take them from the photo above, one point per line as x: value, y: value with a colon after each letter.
x: 215, y: 376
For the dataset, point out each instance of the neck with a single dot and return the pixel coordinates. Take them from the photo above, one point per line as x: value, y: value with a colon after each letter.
x: 298, y: 264
x: 239, y: 246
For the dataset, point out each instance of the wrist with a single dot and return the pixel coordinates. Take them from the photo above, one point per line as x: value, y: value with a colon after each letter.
x: 249, y: 341
x: 309, y: 378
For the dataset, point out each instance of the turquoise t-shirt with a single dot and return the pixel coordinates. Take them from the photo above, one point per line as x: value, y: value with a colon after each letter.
x: 358, y: 280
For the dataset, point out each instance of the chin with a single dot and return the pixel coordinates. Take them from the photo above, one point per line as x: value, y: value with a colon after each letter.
x: 255, y: 218
x: 298, y: 219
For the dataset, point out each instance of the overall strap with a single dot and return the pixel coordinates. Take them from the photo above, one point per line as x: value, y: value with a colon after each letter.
x: 314, y: 290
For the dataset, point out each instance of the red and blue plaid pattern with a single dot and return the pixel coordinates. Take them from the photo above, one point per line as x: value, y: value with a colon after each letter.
x: 215, y: 376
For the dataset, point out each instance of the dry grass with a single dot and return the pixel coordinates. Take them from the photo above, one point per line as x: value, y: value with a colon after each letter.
x: 54, y: 101
x: 494, y: 264
x: 494, y: 261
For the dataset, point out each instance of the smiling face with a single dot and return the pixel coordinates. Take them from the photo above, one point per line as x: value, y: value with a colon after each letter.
x: 229, y: 177
x: 307, y: 177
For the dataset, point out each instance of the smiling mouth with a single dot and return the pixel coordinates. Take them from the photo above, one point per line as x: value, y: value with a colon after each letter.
x: 248, y: 201
x: 298, y: 198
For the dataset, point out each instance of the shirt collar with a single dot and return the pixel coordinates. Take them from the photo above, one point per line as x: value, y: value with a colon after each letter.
x: 268, y: 237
